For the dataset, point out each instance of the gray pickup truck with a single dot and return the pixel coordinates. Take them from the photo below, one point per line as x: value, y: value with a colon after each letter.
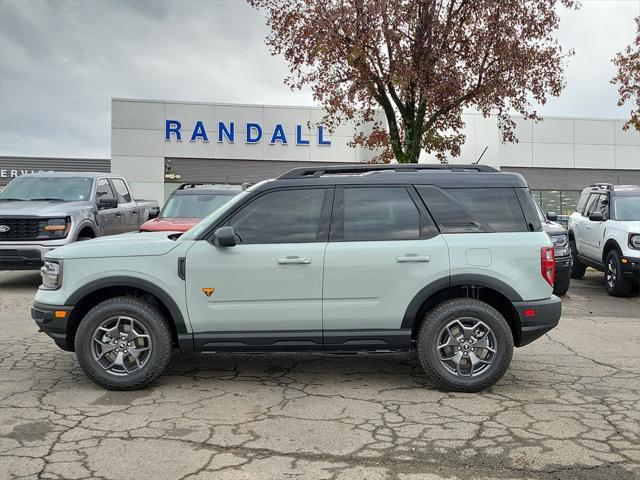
x: 43, y: 211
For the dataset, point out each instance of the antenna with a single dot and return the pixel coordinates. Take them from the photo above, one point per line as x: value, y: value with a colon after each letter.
x: 481, y: 155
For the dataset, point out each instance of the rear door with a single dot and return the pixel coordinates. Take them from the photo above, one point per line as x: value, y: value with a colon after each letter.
x: 383, y: 250
x: 127, y: 208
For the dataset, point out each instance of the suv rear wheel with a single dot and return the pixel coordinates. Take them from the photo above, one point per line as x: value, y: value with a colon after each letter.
x: 123, y: 343
x: 465, y: 345
x: 617, y: 285
x: 578, y: 268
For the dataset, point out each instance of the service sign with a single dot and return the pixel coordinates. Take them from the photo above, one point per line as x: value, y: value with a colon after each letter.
x: 16, y: 172
x: 253, y: 133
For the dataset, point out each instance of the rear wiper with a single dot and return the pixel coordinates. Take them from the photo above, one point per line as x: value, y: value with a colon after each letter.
x: 47, y: 199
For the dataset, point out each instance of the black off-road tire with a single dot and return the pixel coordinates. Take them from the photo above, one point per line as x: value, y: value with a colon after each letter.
x: 561, y: 286
x: 143, y: 312
x: 427, y: 341
x: 578, y: 268
x: 620, y: 286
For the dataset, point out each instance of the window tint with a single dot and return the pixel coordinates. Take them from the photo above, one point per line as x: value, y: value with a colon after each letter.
x: 465, y: 210
x: 380, y: 214
x: 103, y: 189
x: 286, y: 216
x: 122, y: 190
x: 591, y: 204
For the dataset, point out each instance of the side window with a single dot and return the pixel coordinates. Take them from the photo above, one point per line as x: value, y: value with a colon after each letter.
x: 582, y: 201
x: 285, y: 216
x: 469, y: 210
x: 103, y: 189
x: 121, y: 188
x: 591, y: 204
x: 603, y: 206
x: 380, y: 213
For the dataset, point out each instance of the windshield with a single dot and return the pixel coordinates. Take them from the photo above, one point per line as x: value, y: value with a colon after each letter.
x: 66, y: 189
x: 626, y: 208
x: 193, y: 206
x: 203, y: 224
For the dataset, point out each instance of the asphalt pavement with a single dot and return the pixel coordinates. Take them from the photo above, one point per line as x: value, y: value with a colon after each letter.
x: 568, y: 408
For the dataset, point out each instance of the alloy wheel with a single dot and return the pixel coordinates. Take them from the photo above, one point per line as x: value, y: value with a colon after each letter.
x: 121, y: 345
x: 612, y: 273
x: 466, y: 347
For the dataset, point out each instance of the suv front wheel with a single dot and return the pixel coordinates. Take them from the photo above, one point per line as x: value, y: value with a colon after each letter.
x: 617, y: 285
x: 465, y: 345
x: 123, y: 343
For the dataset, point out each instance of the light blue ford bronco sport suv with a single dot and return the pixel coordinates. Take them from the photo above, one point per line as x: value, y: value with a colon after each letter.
x: 447, y: 260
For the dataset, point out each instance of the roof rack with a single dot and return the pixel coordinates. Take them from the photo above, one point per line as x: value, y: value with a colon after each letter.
x: 186, y: 186
x: 360, y: 169
x: 605, y: 186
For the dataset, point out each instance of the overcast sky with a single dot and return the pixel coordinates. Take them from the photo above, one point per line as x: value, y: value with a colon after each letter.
x: 62, y: 61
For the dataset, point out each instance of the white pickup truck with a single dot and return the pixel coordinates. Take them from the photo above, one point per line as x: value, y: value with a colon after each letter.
x: 604, y: 233
x: 43, y: 211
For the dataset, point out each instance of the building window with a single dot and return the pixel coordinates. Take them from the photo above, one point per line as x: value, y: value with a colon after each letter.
x: 562, y: 202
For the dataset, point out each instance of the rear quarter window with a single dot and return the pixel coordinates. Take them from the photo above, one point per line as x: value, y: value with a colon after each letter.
x: 475, y: 210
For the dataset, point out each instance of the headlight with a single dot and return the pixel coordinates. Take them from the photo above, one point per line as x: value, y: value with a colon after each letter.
x: 51, y: 273
x: 561, y: 244
x: 57, y: 227
x: 634, y: 241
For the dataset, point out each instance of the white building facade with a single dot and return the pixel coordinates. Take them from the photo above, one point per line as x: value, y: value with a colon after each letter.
x: 157, y: 145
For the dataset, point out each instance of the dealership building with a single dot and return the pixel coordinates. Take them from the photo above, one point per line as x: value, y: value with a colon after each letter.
x: 157, y: 145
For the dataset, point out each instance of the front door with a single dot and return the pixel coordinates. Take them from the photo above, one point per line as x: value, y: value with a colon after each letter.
x: 265, y: 292
x: 594, y: 233
x: 383, y: 251
x: 107, y: 220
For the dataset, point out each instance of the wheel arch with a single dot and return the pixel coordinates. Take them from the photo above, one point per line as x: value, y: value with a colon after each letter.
x: 488, y: 289
x: 608, y: 246
x: 84, y: 226
x: 91, y: 294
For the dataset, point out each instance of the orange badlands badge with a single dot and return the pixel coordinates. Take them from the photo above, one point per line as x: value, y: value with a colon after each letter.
x: 208, y: 291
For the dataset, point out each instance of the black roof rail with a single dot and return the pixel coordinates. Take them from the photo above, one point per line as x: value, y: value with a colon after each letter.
x: 358, y: 169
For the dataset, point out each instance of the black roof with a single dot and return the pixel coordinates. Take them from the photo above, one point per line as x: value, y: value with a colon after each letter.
x: 446, y: 176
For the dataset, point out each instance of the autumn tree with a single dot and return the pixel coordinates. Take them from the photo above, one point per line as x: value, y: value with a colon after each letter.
x: 628, y: 78
x: 421, y: 62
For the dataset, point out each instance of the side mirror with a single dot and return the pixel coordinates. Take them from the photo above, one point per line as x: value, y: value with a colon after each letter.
x: 596, y: 217
x: 224, y: 237
x: 154, y: 212
x: 107, y: 202
x: 552, y: 216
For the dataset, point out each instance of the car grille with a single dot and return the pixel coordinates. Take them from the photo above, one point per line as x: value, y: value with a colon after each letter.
x: 21, y: 228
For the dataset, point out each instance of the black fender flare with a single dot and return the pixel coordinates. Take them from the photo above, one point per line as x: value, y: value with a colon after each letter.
x: 605, y: 247
x: 125, y: 281
x: 480, y: 280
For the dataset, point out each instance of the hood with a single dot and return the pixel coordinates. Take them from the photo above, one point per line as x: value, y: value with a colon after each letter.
x: 126, y: 245
x: 169, y: 224
x: 553, y: 228
x: 41, y: 209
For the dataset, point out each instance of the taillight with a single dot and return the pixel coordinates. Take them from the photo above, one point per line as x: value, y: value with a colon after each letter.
x: 548, y: 264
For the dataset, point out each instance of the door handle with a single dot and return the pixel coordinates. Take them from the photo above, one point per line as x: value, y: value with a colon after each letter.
x: 294, y: 261
x: 134, y: 211
x: 412, y: 257
x: 118, y: 214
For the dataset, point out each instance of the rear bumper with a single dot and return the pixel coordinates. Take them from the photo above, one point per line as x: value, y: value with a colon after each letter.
x: 51, y: 324
x: 537, y: 318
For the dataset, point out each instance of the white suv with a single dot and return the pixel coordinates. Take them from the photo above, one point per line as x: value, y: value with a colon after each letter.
x: 604, y: 233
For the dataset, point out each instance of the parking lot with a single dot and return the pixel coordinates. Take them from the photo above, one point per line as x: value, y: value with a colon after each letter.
x: 569, y: 407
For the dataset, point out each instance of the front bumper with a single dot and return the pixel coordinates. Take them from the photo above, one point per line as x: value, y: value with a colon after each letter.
x: 25, y: 256
x: 537, y: 318
x: 51, y: 321
x: 563, y: 264
x: 631, y: 266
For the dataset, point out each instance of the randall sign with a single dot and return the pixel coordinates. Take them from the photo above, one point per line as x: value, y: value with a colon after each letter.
x: 253, y: 134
